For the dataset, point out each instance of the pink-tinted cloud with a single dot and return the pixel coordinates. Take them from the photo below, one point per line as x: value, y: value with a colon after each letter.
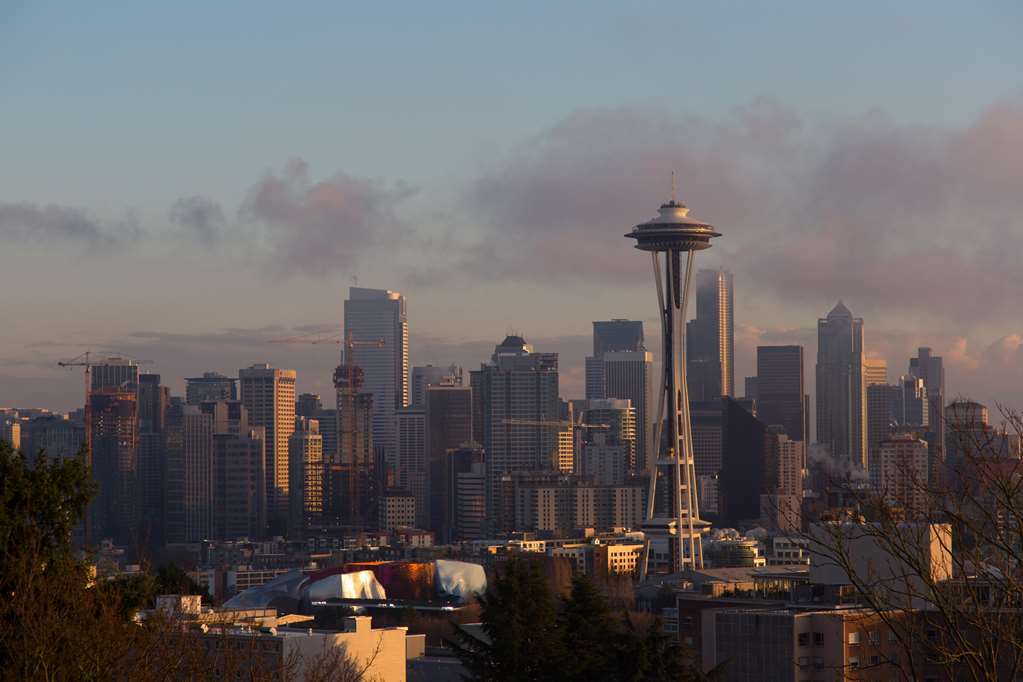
x: 316, y: 227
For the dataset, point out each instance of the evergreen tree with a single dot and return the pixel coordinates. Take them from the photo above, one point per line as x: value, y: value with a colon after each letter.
x: 590, y: 633
x: 520, y: 626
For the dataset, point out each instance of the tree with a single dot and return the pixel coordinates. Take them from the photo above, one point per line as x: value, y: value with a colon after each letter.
x: 520, y: 630
x: 945, y: 577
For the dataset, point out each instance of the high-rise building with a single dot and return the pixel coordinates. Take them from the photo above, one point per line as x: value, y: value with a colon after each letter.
x: 115, y: 463
x: 841, y: 407
x: 620, y: 435
x: 174, y: 472
x: 710, y: 338
x: 884, y: 413
x: 199, y: 473
x: 411, y: 473
x: 153, y: 401
x: 915, y: 410
x: 116, y: 373
x: 430, y: 375
x: 904, y: 473
x: 268, y: 395
x: 305, y: 498
x: 781, y: 390
x: 376, y: 321
x: 465, y: 505
x: 875, y: 371
x: 448, y: 429
x: 351, y: 477
x: 782, y: 494
x: 10, y: 431
x: 746, y: 454
x: 628, y: 376
x: 931, y: 369
x: 59, y: 436
x: 239, y: 485
x: 210, y: 387
x: 610, y: 336
x: 516, y: 398
x: 308, y: 405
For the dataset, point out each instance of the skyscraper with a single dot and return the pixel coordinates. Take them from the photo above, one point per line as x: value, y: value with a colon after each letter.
x: 620, y: 367
x: 710, y: 338
x: 430, y: 375
x: 931, y: 369
x: 841, y: 407
x: 597, y: 443
x: 115, y: 463
x: 448, y: 428
x: 115, y: 373
x: 210, y: 387
x: 884, y: 412
x: 517, y: 401
x: 305, y: 498
x: 153, y: 400
x: 199, y: 473
x: 239, y: 488
x: 376, y: 321
x: 268, y: 395
x: 351, y: 475
x: 781, y: 389
x: 410, y: 472
x: 875, y: 371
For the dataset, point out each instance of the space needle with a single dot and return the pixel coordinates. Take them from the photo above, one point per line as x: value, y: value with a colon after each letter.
x: 673, y: 541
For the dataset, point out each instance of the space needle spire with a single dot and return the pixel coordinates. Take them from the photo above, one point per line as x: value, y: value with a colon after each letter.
x: 673, y: 526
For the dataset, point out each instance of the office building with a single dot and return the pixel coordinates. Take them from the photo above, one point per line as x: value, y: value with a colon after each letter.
x: 308, y: 405
x: 841, y: 404
x: 430, y: 375
x: 410, y: 472
x: 710, y: 338
x: 448, y: 428
x: 608, y: 441
x: 10, y: 431
x: 611, y: 336
x: 465, y: 504
x: 931, y: 369
x: 60, y: 437
x: 199, y: 473
x: 268, y: 395
x: 515, y: 396
x: 970, y: 437
x: 376, y: 322
x: 173, y: 526
x: 397, y: 509
x: 305, y: 456
x: 915, y: 409
x: 884, y: 413
x: 746, y: 453
x: 875, y: 371
x: 210, y: 388
x: 114, y: 464
x: 782, y: 495
x: 239, y: 496
x: 153, y: 401
x: 781, y: 390
x: 115, y: 373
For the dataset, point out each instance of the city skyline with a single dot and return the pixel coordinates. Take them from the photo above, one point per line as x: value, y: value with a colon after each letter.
x: 471, y: 210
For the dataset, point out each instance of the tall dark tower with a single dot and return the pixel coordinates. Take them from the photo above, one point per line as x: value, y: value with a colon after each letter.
x: 673, y: 233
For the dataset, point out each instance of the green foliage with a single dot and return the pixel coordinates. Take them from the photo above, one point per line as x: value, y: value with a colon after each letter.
x: 530, y: 638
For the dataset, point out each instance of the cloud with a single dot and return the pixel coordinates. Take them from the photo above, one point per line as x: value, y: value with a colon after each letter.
x: 200, y: 218
x: 317, y: 227
x: 905, y: 218
x: 53, y: 225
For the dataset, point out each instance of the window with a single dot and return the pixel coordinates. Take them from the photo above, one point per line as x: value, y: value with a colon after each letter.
x: 818, y: 638
x: 854, y: 638
x: 875, y: 660
x: 804, y: 638
x: 804, y: 660
x: 875, y: 637
x: 891, y: 636
x: 854, y: 662
x: 932, y: 635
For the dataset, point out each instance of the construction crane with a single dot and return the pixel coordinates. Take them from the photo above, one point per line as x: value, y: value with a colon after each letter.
x: 561, y: 424
x: 347, y: 342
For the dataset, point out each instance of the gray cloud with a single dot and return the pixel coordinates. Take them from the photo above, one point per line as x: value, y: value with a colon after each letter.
x: 200, y: 218
x: 316, y: 227
x: 26, y: 223
x: 895, y: 217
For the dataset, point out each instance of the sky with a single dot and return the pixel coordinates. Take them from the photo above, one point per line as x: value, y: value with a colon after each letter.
x: 186, y: 182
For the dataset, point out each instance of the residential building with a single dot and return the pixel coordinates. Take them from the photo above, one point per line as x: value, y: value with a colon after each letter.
x: 904, y: 473
x: 351, y: 477
x: 884, y: 413
x: 621, y: 422
x: 397, y: 509
x: 115, y: 373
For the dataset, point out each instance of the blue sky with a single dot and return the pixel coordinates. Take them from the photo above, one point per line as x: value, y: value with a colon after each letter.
x: 426, y: 111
